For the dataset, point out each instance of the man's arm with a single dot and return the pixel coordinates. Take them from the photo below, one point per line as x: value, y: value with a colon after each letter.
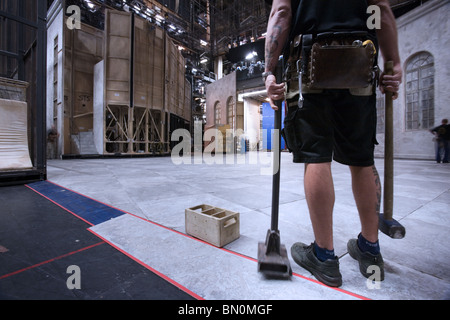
x: 435, y: 130
x: 278, y: 29
x: 388, y: 42
x: 277, y: 32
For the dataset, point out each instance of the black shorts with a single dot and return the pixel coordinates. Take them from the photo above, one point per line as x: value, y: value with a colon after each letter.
x: 332, y: 125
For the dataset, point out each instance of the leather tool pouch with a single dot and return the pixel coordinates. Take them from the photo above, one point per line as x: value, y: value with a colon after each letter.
x: 340, y: 66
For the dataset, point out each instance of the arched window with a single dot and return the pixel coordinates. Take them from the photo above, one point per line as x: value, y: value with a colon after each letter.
x: 420, y: 91
x: 230, y: 112
x: 217, y: 112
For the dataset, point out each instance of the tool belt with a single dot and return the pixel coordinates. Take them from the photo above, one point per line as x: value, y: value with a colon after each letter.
x: 332, y: 60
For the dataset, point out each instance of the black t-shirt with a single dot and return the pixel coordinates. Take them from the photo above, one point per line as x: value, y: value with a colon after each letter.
x: 317, y: 16
x: 443, y: 131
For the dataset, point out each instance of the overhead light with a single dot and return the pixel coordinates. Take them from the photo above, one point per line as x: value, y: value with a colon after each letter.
x: 251, y: 55
x: 90, y: 4
x: 203, y: 43
x: 251, y: 94
x: 205, y: 60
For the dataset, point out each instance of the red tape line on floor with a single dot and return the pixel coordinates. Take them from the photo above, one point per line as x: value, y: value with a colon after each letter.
x: 355, y: 295
x: 50, y: 260
x: 163, y: 276
x: 250, y: 258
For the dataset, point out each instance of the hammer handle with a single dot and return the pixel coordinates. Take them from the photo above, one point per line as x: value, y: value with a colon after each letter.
x: 276, y: 154
x: 388, y: 149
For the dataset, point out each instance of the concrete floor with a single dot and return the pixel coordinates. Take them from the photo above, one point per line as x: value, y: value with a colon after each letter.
x: 157, y: 190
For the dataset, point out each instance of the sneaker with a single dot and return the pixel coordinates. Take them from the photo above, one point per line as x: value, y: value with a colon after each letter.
x: 366, y: 260
x: 326, y: 272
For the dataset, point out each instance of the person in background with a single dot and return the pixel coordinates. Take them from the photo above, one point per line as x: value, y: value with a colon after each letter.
x: 52, y: 140
x: 442, y: 138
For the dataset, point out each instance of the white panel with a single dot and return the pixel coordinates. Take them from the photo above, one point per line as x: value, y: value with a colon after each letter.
x: 99, y: 106
x: 14, y: 152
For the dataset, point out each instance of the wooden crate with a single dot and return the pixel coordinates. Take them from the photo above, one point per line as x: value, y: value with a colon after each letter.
x: 212, y: 224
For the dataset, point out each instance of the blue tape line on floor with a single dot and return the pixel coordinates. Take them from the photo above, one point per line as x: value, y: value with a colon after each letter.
x: 86, y: 208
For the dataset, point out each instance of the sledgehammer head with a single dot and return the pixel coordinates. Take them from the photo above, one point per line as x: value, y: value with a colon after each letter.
x: 391, y: 227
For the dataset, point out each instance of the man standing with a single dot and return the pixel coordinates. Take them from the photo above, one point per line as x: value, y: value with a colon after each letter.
x: 327, y: 122
x: 442, y: 134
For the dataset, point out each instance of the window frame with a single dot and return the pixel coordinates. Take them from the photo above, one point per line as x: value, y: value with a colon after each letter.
x: 419, y: 68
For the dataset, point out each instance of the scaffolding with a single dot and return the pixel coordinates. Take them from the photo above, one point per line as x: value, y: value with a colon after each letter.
x: 238, y: 22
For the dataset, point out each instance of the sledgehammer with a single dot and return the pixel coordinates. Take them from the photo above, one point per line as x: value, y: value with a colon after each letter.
x: 386, y: 223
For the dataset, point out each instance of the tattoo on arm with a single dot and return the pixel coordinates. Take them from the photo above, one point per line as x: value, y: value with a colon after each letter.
x: 272, y: 47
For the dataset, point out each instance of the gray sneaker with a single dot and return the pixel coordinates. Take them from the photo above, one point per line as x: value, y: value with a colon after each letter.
x: 326, y: 272
x: 366, y: 260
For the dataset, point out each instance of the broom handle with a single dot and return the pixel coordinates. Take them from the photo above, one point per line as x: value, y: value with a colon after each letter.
x: 388, y: 195
x: 276, y: 175
x: 277, y: 155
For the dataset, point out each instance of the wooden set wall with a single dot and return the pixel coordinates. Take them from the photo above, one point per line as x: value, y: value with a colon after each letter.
x: 144, y: 82
x: 83, y: 49
x: 220, y: 96
x: 219, y: 93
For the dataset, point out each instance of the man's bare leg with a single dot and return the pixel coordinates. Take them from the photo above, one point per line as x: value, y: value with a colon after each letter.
x: 319, y: 192
x: 367, y: 192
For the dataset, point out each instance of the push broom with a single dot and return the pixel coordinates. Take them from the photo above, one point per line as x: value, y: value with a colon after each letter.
x: 273, y: 261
